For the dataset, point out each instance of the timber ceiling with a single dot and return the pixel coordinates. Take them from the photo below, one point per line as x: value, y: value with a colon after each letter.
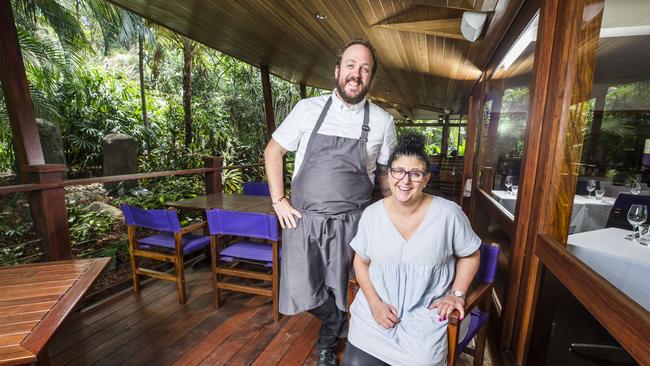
x: 425, y: 66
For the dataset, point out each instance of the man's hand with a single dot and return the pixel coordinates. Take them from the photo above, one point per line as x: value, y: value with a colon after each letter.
x: 384, y: 314
x: 286, y: 213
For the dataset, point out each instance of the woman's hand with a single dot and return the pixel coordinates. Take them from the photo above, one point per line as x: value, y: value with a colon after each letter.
x: 286, y: 213
x: 384, y: 314
x: 447, y: 304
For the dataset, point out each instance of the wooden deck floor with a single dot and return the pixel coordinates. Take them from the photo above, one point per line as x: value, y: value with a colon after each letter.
x: 154, y: 329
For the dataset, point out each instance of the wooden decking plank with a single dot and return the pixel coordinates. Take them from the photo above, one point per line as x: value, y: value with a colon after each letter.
x: 109, y: 326
x: 165, y: 334
x: 148, y: 295
x: 311, y: 359
x: 283, y: 340
x: 258, y: 342
x: 220, y: 334
x: 183, y: 346
x: 224, y: 352
x: 109, y: 339
x: 300, y: 349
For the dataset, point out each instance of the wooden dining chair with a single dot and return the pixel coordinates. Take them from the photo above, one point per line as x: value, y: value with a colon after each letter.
x: 169, y: 245
x: 227, y: 259
x: 257, y: 189
x: 477, y: 306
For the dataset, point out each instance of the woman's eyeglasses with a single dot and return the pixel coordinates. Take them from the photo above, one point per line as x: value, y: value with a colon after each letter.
x: 399, y: 174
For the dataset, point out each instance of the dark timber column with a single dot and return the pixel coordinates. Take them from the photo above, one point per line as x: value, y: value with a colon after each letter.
x: 16, y: 92
x: 47, y: 206
x: 268, y: 101
x: 213, y: 183
x: 445, y: 137
x: 303, y: 91
x: 49, y: 210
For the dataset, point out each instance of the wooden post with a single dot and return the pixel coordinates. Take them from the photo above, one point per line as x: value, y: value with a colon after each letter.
x: 268, y: 101
x: 47, y: 206
x: 213, y: 183
x: 445, y: 137
x: 303, y: 91
x: 470, y: 145
x: 16, y: 93
x: 49, y: 210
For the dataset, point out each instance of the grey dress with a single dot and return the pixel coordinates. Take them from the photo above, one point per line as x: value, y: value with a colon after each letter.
x: 410, y: 275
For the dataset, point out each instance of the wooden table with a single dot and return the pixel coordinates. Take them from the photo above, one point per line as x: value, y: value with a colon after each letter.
x: 34, y: 301
x: 234, y: 202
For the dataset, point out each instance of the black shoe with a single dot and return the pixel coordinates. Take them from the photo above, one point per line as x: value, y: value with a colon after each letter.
x: 326, y: 357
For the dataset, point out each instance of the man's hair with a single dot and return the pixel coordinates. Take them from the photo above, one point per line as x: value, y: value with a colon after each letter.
x: 364, y: 43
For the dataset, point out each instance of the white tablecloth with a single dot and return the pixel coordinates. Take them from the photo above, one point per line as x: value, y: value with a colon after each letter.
x: 588, y: 213
x: 624, y: 263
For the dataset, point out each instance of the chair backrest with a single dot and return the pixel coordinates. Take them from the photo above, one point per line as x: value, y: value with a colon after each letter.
x: 487, y: 270
x: 618, y: 215
x: 257, y: 189
x: 162, y: 220
x: 250, y: 224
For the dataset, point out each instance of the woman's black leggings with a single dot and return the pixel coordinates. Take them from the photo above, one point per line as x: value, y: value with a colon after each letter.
x: 356, y: 357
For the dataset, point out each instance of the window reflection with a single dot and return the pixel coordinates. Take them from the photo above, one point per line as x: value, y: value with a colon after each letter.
x: 609, y: 135
x: 506, y: 108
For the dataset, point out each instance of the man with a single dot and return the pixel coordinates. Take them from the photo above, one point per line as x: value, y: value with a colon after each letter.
x: 339, y: 140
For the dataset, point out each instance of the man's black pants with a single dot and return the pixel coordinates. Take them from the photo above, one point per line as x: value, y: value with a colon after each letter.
x: 334, y: 325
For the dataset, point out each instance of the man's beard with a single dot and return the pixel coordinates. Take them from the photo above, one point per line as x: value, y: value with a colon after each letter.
x: 340, y: 87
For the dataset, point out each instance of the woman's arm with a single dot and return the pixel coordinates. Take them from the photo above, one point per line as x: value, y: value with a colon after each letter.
x: 384, y: 314
x: 466, y: 268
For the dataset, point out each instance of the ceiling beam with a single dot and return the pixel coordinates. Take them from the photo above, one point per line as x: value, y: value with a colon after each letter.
x: 448, y: 28
x: 467, y: 5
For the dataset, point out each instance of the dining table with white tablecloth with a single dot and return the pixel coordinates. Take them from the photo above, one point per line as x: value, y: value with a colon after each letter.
x: 623, y: 262
x: 588, y: 213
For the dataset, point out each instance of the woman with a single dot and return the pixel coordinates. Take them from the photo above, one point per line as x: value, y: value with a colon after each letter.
x: 416, y: 255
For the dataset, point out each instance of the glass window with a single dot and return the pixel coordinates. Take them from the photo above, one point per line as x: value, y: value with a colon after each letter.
x: 506, y: 108
x: 609, y: 135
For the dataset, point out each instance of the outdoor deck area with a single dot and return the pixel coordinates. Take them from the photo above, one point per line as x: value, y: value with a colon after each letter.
x: 154, y: 329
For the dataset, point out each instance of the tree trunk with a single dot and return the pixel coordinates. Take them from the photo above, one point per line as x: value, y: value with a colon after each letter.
x: 145, y: 120
x: 188, y: 53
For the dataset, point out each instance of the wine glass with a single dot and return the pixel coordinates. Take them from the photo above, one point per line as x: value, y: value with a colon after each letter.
x: 635, y: 189
x: 591, y: 186
x: 514, y: 189
x: 508, y: 183
x: 637, y: 216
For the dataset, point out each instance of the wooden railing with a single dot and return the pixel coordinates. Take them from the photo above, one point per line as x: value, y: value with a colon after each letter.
x: 46, y: 195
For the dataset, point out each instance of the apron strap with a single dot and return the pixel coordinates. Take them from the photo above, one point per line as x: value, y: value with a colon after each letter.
x: 321, y: 118
x: 365, y: 128
x: 366, y: 121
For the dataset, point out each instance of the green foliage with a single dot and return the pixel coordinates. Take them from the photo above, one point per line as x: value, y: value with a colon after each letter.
x: 85, y: 224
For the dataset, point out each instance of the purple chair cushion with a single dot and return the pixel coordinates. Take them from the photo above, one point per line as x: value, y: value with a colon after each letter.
x: 477, y: 320
x: 191, y: 242
x: 249, y: 250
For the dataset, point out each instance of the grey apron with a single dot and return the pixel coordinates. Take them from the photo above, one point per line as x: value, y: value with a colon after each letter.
x: 330, y: 190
